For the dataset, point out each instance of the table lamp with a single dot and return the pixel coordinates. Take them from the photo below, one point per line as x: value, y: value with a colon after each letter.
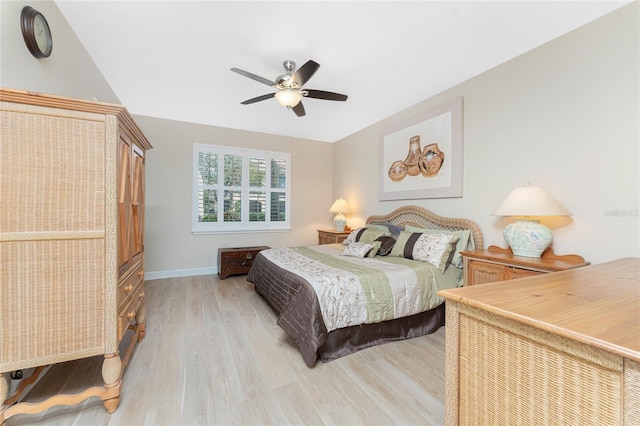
x: 528, y: 237
x: 339, y: 207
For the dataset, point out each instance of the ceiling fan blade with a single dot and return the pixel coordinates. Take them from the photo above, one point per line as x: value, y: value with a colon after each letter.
x: 253, y: 76
x: 305, y: 72
x: 258, y: 99
x: 329, y: 96
x: 299, y: 109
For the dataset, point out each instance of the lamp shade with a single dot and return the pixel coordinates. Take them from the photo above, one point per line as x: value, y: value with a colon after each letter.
x: 529, y: 200
x: 340, y: 206
x: 529, y: 238
x: 288, y: 98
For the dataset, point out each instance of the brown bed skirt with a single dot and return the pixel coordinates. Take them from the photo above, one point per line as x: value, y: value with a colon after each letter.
x: 345, y: 341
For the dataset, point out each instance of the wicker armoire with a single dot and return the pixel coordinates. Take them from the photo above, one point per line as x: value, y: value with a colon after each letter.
x: 71, y: 240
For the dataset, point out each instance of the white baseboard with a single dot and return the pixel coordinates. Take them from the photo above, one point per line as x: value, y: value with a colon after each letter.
x: 158, y: 275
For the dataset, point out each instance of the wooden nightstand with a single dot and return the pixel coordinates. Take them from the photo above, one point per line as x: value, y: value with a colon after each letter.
x: 331, y: 237
x: 498, y: 264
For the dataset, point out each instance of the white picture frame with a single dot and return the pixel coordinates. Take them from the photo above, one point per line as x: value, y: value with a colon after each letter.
x: 435, y: 170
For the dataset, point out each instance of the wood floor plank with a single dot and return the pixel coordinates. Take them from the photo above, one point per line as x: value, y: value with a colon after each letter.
x: 296, y: 405
x: 337, y: 397
x: 214, y: 355
x: 395, y: 391
x: 268, y: 355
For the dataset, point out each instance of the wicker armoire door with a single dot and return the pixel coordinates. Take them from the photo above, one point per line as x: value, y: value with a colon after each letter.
x: 137, y: 204
x: 130, y: 203
x: 131, y: 294
x: 124, y: 203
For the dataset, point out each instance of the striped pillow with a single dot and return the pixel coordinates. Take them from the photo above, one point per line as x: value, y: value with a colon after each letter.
x: 436, y: 249
x: 364, y: 235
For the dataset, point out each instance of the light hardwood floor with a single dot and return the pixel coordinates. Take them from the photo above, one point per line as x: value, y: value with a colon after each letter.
x: 213, y: 354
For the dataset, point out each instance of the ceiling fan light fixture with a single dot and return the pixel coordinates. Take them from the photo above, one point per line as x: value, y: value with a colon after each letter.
x: 289, y: 87
x: 288, y: 98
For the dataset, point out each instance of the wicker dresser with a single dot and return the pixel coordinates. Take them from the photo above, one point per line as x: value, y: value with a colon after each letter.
x: 561, y: 348
x: 71, y: 240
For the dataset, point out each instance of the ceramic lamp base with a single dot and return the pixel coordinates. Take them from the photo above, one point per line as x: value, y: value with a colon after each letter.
x: 528, y: 238
x: 339, y: 222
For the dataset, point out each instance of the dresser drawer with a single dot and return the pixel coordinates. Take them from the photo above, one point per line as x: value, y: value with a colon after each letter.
x: 129, y: 283
x: 128, y: 313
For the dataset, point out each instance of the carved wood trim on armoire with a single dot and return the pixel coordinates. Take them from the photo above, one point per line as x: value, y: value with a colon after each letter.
x: 71, y: 240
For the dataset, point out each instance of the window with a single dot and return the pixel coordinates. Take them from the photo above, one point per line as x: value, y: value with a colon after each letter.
x: 239, y: 190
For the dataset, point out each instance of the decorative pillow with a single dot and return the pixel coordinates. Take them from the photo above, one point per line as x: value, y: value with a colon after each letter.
x: 465, y: 242
x: 359, y: 250
x: 376, y: 247
x: 392, y: 229
x: 364, y: 235
x: 435, y: 249
x: 379, y: 226
x: 386, y: 244
x: 398, y: 248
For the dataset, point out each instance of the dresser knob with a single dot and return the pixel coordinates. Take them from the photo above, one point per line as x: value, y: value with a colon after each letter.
x: 128, y: 289
x: 131, y: 315
x: 140, y: 273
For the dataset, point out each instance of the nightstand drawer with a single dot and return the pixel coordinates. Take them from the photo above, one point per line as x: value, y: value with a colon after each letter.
x: 328, y: 239
x: 498, y: 264
x: 331, y: 237
x: 480, y: 272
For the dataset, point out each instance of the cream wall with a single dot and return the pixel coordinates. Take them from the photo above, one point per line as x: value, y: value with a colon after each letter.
x: 170, y: 247
x: 571, y: 106
x: 564, y: 116
x: 69, y: 71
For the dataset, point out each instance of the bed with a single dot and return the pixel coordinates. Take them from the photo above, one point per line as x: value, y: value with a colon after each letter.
x: 333, y: 303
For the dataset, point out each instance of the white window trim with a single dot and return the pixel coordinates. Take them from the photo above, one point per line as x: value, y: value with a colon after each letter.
x: 244, y: 226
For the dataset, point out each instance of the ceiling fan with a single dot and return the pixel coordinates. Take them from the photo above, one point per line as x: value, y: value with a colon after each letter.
x: 289, y: 92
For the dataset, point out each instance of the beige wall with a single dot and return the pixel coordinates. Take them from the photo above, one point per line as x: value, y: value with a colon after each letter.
x: 170, y: 247
x: 563, y: 116
x: 69, y: 71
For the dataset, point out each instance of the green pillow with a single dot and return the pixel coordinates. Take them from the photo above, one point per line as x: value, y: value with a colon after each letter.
x: 393, y: 229
x: 374, y: 251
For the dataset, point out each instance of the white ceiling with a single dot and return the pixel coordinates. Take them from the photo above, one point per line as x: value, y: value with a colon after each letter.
x: 172, y: 59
